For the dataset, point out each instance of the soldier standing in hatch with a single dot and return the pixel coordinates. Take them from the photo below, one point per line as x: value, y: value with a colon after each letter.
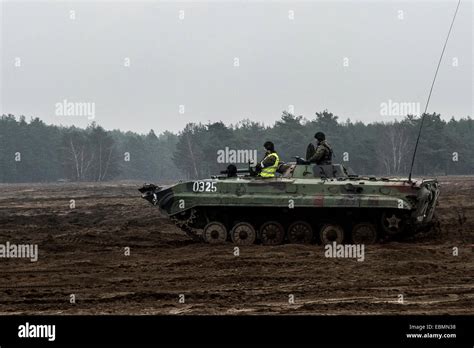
x: 319, y: 152
x: 268, y: 166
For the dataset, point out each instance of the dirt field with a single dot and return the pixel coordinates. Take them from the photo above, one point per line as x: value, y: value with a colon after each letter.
x: 81, y: 252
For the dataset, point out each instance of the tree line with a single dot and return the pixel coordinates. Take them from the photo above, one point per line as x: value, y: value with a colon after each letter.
x: 31, y: 151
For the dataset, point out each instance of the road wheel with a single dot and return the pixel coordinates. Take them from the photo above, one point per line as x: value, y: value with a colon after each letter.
x: 393, y: 223
x: 243, y: 234
x: 300, y: 232
x: 331, y: 233
x: 364, y: 233
x: 272, y: 233
x: 215, y: 233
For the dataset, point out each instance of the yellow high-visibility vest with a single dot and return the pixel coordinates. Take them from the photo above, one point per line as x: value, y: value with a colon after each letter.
x: 269, y: 172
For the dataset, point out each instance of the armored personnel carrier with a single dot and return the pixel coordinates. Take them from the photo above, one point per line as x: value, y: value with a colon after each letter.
x: 305, y: 203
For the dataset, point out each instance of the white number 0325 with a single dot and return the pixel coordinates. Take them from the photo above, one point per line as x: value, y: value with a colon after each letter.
x: 204, y: 186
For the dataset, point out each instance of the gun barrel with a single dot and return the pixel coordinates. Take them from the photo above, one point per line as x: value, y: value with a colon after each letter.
x: 238, y: 171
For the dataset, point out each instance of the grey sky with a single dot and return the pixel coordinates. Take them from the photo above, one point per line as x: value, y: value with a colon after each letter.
x: 190, y: 61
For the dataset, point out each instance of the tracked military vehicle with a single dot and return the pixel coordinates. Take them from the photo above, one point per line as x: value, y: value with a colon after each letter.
x: 305, y: 203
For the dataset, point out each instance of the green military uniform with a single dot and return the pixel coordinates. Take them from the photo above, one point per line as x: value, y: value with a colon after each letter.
x: 319, y: 153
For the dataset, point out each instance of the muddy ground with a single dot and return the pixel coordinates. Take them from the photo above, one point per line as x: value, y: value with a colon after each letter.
x: 81, y: 252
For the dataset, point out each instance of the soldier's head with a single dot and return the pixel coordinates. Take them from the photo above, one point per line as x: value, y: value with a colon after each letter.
x: 320, y: 136
x: 231, y: 170
x: 269, y: 146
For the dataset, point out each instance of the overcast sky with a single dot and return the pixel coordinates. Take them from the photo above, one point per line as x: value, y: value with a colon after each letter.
x: 148, y: 64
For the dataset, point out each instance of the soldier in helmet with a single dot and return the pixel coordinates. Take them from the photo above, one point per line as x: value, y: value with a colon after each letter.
x: 268, y: 166
x: 319, y: 152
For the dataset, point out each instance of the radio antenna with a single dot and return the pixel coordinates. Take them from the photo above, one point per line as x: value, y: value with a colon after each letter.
x: 431, y: 90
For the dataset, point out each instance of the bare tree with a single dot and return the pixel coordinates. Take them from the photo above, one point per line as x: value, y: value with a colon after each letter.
x: 392, y: 148
x: 89, y: 155
x: 78, y: 156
